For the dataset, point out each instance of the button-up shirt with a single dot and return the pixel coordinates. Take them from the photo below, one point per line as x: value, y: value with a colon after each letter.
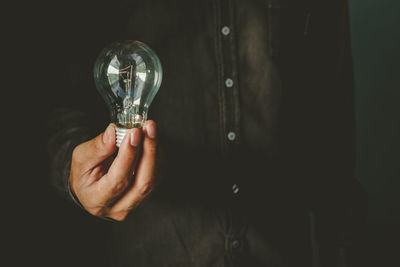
x: 255, y: 115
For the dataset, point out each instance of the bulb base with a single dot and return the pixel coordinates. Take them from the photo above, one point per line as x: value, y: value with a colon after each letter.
x: 120, y: 133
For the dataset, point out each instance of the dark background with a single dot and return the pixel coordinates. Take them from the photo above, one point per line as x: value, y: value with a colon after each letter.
x: 376, y: 53
x: 44, y: 230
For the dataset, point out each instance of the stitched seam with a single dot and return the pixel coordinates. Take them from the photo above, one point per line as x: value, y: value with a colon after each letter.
x: 220, y: 68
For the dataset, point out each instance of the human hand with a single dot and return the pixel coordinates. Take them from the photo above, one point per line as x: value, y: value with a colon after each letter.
x: 112, y: 187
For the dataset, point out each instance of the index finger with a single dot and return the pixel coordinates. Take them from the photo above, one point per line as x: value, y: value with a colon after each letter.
x: 91, y: 153
x: 121, y: 170
x: 145, y: 175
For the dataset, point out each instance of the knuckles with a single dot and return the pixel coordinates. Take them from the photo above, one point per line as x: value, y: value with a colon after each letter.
x: 102, y: 212
x: 99, y: 147
x: 98, y: 212
x: 76, y: 154
x: 119, y: 186
x: 146, y: 189
x: 94, y: 146
x: 120, y: 216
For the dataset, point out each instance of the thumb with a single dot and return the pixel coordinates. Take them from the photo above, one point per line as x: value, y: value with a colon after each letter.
x: 96, y: 150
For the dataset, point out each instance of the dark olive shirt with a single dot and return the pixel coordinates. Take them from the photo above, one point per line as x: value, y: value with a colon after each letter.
x: 255, y: 115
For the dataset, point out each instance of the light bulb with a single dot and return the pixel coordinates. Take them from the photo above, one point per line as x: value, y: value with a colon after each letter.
x: 128, y: 75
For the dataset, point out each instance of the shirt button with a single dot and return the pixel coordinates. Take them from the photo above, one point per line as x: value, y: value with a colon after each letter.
x: 235, y: 189
x: 228, y: 82
x: 225, y: 30
x: 235, y: 244
x: 231, y: 136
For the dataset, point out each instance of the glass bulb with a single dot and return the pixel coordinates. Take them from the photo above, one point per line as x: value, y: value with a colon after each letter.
x: 128, y: 75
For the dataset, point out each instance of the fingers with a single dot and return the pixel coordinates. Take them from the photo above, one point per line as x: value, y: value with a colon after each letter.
x: 147, y: 164
x: 93, y: 152
x: 122, y: 169
x: 144, y: 178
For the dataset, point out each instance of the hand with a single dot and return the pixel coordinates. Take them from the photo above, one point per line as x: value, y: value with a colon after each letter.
x: 112, y: 187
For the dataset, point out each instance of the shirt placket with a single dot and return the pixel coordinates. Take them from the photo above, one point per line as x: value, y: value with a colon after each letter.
x: 228, y: 76
x: 229, y: 119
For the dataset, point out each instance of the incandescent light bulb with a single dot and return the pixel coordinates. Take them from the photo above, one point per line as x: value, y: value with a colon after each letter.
x: 128, y: 75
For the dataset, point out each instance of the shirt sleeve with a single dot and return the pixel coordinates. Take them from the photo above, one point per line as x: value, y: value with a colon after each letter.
x: 78, y: 113
x: 339, y: 202
x: 69, y: 128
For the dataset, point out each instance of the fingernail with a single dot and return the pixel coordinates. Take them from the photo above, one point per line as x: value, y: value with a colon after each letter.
x: 151, y: 130
x: 135, y: 137
x: 107, y: 136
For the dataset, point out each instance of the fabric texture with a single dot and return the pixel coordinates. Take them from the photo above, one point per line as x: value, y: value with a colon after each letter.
x: 242, y: 201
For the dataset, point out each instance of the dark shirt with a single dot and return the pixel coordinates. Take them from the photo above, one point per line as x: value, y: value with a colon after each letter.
x: 255, y: 115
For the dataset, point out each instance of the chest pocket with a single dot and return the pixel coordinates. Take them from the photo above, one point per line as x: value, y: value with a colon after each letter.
x: 289, y: 25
